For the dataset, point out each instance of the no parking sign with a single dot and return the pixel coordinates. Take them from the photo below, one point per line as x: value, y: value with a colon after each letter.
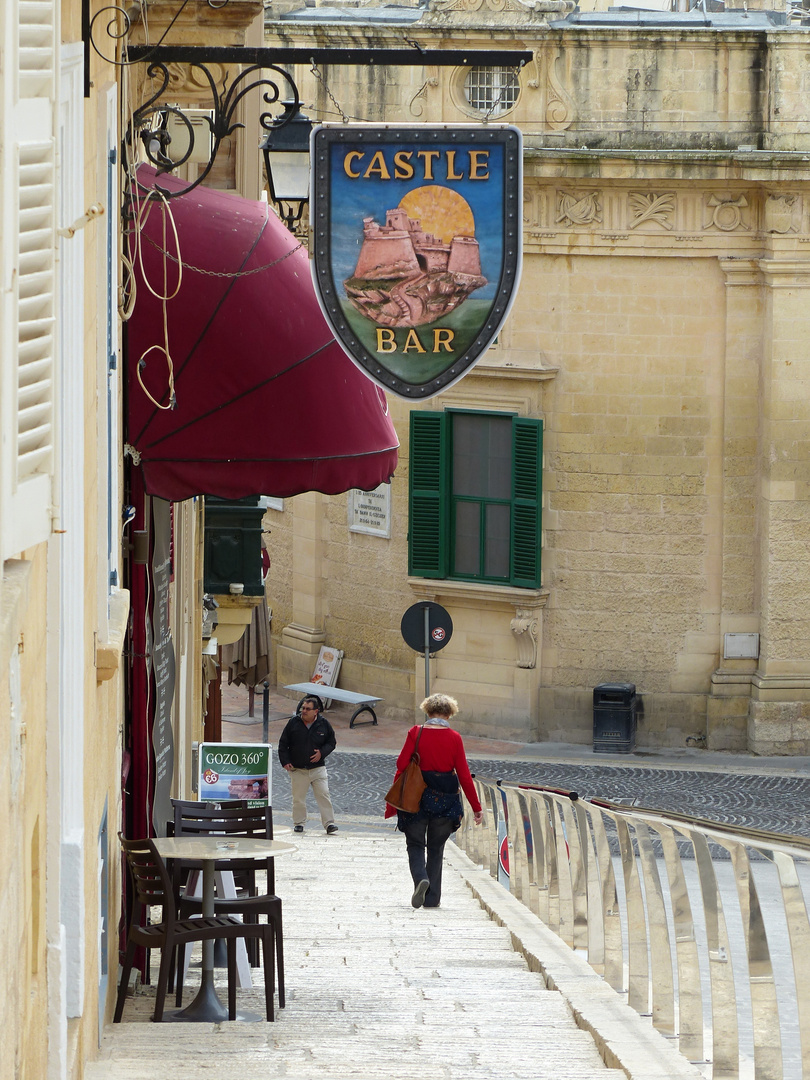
x: 426, y: 627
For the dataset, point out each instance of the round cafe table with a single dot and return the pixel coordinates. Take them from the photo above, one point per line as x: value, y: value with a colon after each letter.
x: 208, y: 850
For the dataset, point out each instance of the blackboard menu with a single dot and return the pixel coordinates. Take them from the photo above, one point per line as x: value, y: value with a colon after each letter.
x: 162, y: 657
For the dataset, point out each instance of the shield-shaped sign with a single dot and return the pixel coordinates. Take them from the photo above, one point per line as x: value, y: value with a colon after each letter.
x: 416, y: 245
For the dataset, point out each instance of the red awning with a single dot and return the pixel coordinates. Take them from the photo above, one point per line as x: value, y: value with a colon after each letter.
x: 267, y: 403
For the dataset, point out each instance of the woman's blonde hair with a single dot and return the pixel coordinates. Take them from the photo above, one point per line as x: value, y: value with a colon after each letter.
x: 439, y: 704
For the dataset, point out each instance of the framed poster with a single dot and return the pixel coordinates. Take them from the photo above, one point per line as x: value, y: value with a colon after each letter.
x: 417, y: 245
x: 236, y: 771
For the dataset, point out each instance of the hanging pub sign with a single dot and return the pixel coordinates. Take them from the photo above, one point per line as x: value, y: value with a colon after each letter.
x: 416, y: 245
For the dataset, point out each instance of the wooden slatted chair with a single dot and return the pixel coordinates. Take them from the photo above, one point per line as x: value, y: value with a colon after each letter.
x: 201, y: 819
x: 153, y: 888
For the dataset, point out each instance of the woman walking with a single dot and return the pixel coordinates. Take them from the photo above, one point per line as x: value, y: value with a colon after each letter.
x: 444, y: 766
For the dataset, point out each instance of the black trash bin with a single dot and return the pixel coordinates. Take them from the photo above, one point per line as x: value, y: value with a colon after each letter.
x: 614, y: 718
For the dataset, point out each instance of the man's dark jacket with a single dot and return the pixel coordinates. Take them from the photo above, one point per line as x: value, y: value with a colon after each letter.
x: 298, y: 742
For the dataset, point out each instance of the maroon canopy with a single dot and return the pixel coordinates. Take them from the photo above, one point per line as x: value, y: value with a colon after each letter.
x: 267, y: 403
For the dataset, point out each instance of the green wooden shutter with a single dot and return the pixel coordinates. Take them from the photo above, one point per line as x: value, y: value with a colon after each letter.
x: 427, y: 538
x: 527, y: 491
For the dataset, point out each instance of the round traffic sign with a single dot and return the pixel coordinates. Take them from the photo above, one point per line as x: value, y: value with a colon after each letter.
x: 439, y: 628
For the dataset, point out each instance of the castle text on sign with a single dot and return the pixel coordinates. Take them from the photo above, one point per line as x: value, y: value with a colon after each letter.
x: 419, y: 164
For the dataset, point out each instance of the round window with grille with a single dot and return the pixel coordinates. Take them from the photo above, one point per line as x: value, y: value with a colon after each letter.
x: 491, y: 90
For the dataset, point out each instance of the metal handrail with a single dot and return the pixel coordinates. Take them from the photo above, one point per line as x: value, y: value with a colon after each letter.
x: 642, y: 939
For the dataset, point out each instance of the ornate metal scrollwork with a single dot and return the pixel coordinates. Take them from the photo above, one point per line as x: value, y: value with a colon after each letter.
x: 129, y: 17
x: 150, y: 122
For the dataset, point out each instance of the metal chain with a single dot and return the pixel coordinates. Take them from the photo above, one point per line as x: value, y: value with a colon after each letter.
x: 314, y: 71
x: 493, y: 106
x: 224, y: 273
x: 497, y: 100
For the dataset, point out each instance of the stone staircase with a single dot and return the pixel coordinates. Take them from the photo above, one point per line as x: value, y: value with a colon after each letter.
x: 375, y: 989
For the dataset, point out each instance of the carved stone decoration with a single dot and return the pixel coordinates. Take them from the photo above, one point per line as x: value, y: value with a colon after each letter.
x: 189, y: 82
x: 578, y: 209
x: 524, y: 626
x: 533, y: 74
x: 556, y: 105
x: 559, y: 105
x: 651, y: 207
x: 215, y: 22
x: 419, y: 99
x: 530, y: 207
x: 726, y: 214
x: 529, y: 9
x: 781, y: 213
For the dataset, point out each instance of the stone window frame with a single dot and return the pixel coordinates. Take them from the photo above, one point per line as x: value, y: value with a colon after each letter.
x: 458, y: 94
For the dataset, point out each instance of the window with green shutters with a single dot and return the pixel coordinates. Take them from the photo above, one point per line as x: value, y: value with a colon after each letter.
x: 475, y: 497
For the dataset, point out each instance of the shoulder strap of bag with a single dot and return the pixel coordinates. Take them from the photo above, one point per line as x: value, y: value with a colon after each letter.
x: 416, y: 744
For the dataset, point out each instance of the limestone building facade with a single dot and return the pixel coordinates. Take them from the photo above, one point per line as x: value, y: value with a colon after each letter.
x: 66, y: 528
x: 659, y: 339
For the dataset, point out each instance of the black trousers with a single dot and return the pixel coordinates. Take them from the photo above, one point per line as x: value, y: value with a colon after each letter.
x: 425, y: 839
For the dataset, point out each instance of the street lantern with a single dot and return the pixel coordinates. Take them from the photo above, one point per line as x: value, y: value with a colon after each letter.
x: 286, y: 163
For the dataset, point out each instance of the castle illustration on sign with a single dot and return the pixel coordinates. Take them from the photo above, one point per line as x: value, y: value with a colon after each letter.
x: 408, y: 277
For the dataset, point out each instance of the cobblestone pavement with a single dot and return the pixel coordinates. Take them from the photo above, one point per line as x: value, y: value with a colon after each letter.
x: 735, y: 789
x: 358, y: 781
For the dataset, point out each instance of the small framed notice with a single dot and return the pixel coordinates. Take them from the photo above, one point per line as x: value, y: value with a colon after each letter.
x: 370, y: 511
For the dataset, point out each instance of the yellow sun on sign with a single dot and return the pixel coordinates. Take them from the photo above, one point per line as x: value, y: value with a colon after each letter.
x: 441, y: 211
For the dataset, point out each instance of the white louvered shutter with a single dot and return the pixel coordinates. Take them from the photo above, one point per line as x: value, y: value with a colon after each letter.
x: 36, y: 74
x: 29, y: 276
x: 35, y: 312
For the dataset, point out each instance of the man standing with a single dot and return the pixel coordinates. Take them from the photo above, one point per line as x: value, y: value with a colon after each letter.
x: 304, y: 746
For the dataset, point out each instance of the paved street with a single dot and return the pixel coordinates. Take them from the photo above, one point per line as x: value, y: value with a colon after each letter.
x: 780, y: 803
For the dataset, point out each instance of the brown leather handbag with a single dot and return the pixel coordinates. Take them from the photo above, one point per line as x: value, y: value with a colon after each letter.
x: 406, y: 791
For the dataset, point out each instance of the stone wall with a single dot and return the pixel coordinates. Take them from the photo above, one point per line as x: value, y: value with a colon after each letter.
x: 660, y: 333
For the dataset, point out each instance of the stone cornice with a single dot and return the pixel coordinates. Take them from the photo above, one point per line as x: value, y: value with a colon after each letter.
x: 786, y: 273
x: 754, y: 166
x: 741, y: 270
x: 514, y: 371
x: 780, y: 687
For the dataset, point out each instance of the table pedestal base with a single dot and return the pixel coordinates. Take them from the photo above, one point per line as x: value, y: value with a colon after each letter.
x: 206, y: 1008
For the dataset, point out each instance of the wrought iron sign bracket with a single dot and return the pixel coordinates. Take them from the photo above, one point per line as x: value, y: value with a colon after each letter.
x: 270, y: 56
x: 260, y: 68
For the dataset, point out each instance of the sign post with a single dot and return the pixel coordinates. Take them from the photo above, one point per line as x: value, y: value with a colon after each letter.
x: 417, y: 245
x: 426, y: 627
